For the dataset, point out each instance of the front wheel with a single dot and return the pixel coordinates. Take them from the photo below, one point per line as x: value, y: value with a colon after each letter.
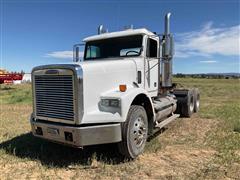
x: 134, y: 132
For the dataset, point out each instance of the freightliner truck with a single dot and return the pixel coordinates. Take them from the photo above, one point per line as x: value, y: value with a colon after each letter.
x: 120, y: 91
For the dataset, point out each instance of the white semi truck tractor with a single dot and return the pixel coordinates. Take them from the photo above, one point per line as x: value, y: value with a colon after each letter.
x: 120, y: 92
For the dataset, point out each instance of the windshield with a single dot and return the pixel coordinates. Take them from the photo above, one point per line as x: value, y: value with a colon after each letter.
x: 114, y: 47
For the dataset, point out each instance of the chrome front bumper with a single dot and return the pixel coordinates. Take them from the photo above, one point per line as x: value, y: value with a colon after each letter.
x: 77, y: 136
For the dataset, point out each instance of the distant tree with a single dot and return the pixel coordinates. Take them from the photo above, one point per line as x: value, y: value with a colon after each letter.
x: 180, y: 75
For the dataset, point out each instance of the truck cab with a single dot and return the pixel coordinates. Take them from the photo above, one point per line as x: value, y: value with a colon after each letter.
x: 138, y: 46
x: 119, y: 92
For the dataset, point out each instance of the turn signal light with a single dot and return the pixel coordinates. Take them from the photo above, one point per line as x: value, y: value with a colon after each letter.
x: 123, y: 87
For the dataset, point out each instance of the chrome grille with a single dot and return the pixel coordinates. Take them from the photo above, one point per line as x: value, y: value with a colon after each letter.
x: 54, y: 97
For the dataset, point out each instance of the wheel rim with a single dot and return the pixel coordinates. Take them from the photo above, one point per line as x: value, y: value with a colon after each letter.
x: 197, y: 101
x: 191, y: 104
x: 139, y: 131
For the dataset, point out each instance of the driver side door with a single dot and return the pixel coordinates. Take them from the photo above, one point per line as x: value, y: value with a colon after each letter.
x: 151, y: 66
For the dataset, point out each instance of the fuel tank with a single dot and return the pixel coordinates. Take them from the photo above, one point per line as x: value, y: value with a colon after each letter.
x: 164, y: 106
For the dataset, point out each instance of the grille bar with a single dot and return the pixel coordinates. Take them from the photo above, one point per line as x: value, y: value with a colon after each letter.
x: 54, y: 96
x: 55, y: 100
x: 45, y: 105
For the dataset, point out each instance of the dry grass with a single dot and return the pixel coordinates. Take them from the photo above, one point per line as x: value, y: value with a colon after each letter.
x: 207, y: 146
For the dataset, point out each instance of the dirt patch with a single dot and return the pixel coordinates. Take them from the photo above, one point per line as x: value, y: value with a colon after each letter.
x: 234, y: 171
x: 16, y: 169
x: 237, y: 152
x: 176, y: 161
x: 183, y: 152
x: 192, y: 131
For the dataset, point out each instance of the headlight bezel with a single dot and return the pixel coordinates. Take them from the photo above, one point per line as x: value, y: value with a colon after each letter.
x: 111, y: 102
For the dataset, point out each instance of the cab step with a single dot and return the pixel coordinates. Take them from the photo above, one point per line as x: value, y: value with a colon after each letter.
x: 167, y: 121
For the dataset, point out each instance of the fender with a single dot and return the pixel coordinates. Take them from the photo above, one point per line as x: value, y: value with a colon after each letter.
x: 127, y: 98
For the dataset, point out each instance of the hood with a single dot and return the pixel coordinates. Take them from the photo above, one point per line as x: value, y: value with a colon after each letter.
x: 103, y: 76
x: 104, y: 67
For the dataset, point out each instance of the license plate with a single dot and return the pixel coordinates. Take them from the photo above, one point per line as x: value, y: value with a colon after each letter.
x: 53, y: 131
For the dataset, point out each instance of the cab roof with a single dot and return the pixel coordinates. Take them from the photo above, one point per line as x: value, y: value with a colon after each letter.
x: 127, y: 32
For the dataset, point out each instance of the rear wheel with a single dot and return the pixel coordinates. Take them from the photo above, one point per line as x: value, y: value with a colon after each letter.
x: 134, y: 132
x: 188, y: 104
x: 196, y: 99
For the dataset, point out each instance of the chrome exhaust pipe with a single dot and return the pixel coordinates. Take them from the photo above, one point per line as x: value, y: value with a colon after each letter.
x: 167, y: 54
x: 167, y: 23
x: 100, y: 29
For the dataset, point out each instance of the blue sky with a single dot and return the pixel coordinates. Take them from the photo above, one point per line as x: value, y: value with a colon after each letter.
x: 35, y: 32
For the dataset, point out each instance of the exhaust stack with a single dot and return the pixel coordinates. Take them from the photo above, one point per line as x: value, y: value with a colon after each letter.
x: 167, y: 54
x: 101, y: 29
x: 167, y: 23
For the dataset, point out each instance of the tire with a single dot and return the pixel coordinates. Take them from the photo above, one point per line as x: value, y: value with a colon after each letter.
x: 188, y: 104
x: 134, y: 133
x: 196, y: 94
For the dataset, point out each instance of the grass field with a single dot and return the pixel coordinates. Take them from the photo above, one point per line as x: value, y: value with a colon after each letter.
x: 206, y: 146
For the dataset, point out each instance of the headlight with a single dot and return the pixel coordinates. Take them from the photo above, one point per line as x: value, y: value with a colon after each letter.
x: 110, y: 102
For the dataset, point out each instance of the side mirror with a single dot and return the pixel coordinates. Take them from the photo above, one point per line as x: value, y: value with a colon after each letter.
x: 168, y: 46
x: 77, y: 53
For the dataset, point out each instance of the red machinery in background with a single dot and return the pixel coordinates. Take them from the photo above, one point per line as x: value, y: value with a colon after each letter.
x: 10, y: 77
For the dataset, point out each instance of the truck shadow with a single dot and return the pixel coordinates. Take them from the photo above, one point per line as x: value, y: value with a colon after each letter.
x: 56, y: 155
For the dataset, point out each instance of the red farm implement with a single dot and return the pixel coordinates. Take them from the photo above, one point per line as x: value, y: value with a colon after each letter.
x: 9, y: 78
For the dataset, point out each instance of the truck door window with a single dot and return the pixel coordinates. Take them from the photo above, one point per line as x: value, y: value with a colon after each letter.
x: 93, y: 52
x: 152, y: 48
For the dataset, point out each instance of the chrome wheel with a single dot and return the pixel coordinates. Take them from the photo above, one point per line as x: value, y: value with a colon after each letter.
x: 139, y: 132
x: 134, y: 132
x: 191, y: 104
x: 198, y: 101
